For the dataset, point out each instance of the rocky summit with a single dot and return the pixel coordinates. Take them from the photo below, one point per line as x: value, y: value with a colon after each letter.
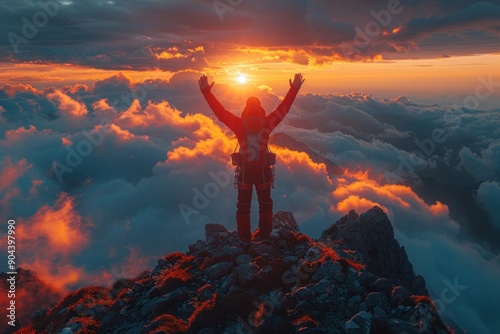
x: 355, y: 279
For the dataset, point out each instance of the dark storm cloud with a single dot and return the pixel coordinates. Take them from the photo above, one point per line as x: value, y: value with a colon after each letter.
x: 479, y: 15
x: 133, y: 35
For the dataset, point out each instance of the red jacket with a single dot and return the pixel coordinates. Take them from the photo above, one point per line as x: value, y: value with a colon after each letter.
x: 236, y: 124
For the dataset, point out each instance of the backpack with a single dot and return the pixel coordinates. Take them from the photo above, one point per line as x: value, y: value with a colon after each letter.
x: 252, y: 152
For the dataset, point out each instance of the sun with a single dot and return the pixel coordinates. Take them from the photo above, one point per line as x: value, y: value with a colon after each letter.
x: 242, y: 79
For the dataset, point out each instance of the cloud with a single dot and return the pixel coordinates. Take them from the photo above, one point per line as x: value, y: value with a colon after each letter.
x: 61, y: 232
x: 192, y: 35
x: 488, y: 195
x: 476, y: 16
x: 145, y: 175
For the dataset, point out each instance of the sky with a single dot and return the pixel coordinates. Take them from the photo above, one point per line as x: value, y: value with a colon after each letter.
x: 111, y: 158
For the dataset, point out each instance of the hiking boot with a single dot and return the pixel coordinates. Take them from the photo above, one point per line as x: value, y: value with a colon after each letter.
x: 243, y: 222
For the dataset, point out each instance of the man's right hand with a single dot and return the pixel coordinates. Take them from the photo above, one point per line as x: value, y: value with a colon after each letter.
x: 205, y: 87
x: 297, y: 81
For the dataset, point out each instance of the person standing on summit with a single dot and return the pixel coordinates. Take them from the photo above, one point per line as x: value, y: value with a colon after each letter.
x: 254, y: 161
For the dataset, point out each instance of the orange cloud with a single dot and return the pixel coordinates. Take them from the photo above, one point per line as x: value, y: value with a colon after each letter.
x: 60, y: 228
x: 13, y: 89
x: 49, y: 238
x: 360, y: 191
x: 14, y: 135
x: 67, y: 104
x: 130, y: 266
x: 119, y: 133
x: 439, y: 209
x: 34, y: 185
x: 66, y: 141
x: 101, y: 105
x: 359, y: 204
x: 289, y: 157
x: 11, y: 172
x: 60, y: 276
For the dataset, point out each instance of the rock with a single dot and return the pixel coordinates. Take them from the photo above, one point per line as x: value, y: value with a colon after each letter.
x: 374, y: 299
x: 323, y: 302
x: 305, y: 293
x: 239, y: 302
x: 260, y: 249
x: 331, y: 271
x: 303, y: 307
x: 379, y: 314
x: 275, y: 324
x: 163, y: 304
x: 313, y: 254
x: 324, y: 286
x: 219, y: 270
x: 269, y: 276
x: 226, y: 283
x: 359, y: 324
x: 402, y: 326
x: 213, y: 230
x: 333, y: 323
x: 399, y: 295
x: 380, y: 322
x: 383, y: 285
x: 353, y: 303
x: 246, y: 274
x: 290, y: 260
x: 285, y: 219
x: 138, y: 287
x: 112, y: 318
x: 372, y: 236
x: 243, y: 259
x: 353, y: 283
x: 283, y: 235
x: 288, y: 284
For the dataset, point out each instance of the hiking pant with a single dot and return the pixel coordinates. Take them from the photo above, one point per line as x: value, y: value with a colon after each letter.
x: 262, y: 180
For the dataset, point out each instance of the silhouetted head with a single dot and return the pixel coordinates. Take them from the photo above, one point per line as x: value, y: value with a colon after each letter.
x: 253, y: 113
x: 253, y: 108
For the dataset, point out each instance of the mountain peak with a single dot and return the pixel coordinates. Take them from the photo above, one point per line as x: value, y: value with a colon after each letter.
x: 288, y: 284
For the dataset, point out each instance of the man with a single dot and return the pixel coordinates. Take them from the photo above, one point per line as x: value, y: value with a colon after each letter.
x: 252, y: 130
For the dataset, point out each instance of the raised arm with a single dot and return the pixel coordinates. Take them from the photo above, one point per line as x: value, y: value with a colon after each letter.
x: 220, y: 112
x: 274, y: 118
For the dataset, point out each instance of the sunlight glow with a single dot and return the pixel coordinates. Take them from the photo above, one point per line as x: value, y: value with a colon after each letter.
x: 242, y: 79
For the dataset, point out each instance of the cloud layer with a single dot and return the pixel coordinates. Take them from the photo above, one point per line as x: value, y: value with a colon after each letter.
x: 107, y: 178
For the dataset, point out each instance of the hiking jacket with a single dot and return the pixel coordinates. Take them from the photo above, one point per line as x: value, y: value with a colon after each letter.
x: 236, y: 124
